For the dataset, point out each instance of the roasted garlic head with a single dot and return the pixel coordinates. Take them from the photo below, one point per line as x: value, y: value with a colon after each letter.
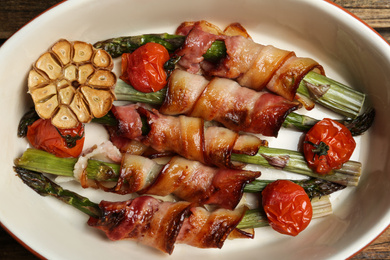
x: 72, y: 83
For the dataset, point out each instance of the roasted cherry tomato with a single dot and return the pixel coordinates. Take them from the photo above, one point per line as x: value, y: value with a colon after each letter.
x: 144, y: 68
x: 327, y: 145
x: 60, y: 142
x: 287, y: 206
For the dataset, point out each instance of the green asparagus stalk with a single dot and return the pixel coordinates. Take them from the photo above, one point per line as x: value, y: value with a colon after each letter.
x: 357, y: 126
x: 314, y: 187
x: 45, y: 187
x: 360, y: 124
x: 109, y: 120
x: 323, y: 90
x: 117, y: 46
x: 127, y: 44
x: 125, y: 92
x: 28, y: 119
x: 255, y: 218
x: 41, y: 161
x: 329, y: 93
x: 295, y: 162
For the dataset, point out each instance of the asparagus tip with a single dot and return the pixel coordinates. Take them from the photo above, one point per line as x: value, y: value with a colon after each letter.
x: 361, y: 123
x: 45, y: 187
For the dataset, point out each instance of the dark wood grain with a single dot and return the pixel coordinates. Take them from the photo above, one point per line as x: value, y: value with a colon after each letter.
x: 15, y: 13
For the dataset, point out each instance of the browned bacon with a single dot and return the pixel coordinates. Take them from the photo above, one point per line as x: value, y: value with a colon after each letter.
x: 129, y: 121
x: 185, y: 179
x: 193, y: 58
x: 146, y: 220
x: 200, y: 184
x: 253, y: 65
x: 136, y: 173
x: 206, y: 229
x: 124, y: 144
x: 188, y: 137
x: 160, y: 225
x: 225, y: 101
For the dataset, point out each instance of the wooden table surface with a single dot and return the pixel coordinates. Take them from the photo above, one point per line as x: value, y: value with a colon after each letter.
x: 15, y: 13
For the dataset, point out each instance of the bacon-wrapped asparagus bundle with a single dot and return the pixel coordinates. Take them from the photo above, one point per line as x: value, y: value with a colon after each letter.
x: 147, y: 220
x: 132, y: 173
x: 144, y: 219
x: 185, y: 179
x: 160, y: 224
x: 322, y: 90
x: 226, y: 102
x: 186, y: 136
x: 357, y: 126
x: 253, y: 65
x: 195, y: 182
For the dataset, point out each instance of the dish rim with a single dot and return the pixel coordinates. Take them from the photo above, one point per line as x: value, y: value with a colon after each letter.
x: 20, y: 241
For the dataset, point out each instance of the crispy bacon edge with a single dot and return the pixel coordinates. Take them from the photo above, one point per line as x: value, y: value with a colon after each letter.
x: 160, y: 224
x: 188, y: 137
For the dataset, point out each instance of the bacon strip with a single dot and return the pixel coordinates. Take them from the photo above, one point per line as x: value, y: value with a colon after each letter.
x: 124, y: 144
x: 200, y: 184
x: 146, y: 220
x: 193, y: 58
x: 253, y: 65
x: 136, y: 173
x: 186, y: 136
x: 186, y: 179
x: 125, y: 134
x: 206, y: 229
x: 160, y: 225
x: 129, y: 121
x: 106, y: 152
x: 226, y: 102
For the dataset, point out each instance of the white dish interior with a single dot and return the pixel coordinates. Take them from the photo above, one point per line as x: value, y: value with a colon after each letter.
x: 349, y: 51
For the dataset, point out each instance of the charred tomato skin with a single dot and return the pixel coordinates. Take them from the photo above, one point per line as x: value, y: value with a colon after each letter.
x: 144, y: 68
x: 64, y: 143
x: 287, y: 206
x: 327, y: 146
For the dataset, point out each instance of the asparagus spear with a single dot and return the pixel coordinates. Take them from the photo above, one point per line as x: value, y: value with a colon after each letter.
x: 295, y: 162
x: 314, y: 187
x: 28, y: 119
x: 117, y: 46
x: 357, y: 126
x: 45, y: 187
x: 325, y: 91
x: 255, y: 218
x: 41, y: 161
x: 332, y: 94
